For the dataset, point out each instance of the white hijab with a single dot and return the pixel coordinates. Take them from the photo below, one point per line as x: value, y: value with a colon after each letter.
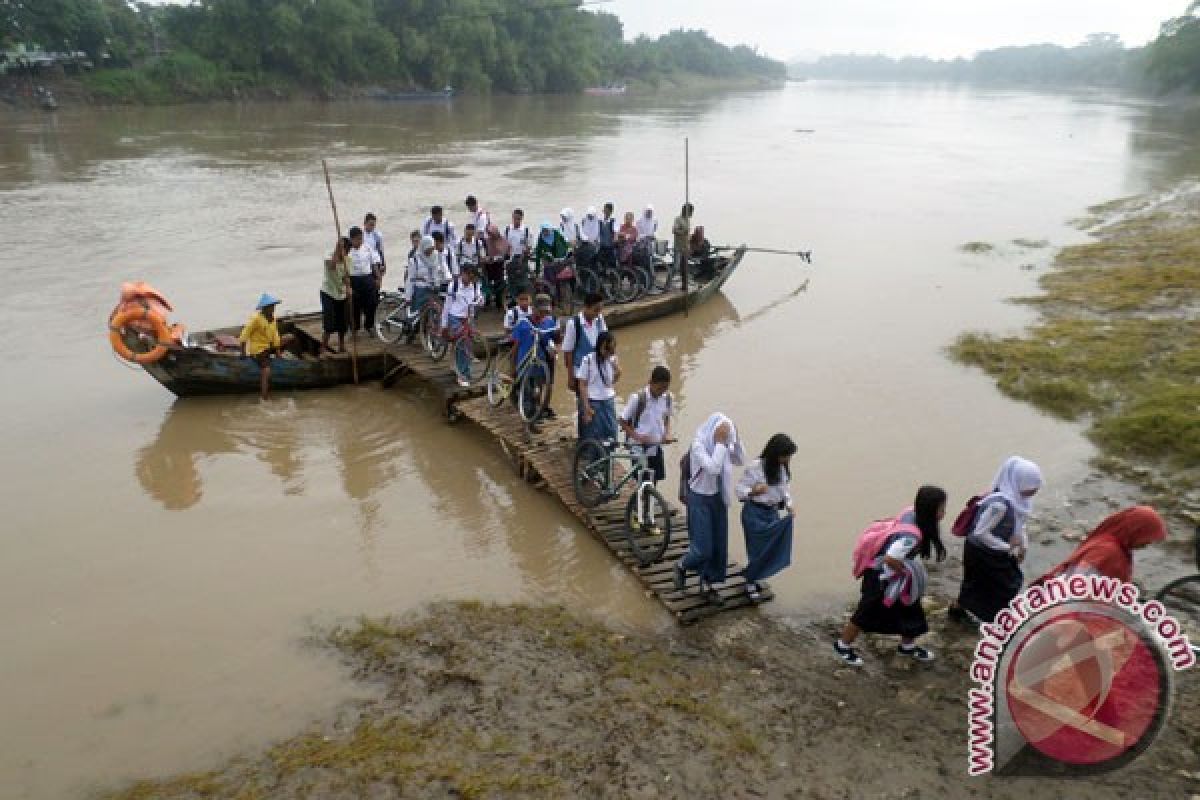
x: 1018, y: 475
x: 706, y: 438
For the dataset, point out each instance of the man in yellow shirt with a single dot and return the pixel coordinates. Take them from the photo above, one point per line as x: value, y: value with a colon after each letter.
x: 260, y: 340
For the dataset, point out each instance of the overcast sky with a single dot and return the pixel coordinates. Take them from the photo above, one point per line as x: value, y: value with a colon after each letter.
x: 941, y: 28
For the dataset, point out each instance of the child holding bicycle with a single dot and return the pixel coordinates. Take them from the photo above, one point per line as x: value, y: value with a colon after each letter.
x: 646, y: 420
x: 596, y: 376
x: 462, y: 299
x: 541, y: 329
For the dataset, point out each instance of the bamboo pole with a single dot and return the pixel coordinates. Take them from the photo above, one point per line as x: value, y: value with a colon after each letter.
x: 350, y: 296
x: 687, y: 198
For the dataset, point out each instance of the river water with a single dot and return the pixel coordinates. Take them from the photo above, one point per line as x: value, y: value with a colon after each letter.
x: 164, y: 561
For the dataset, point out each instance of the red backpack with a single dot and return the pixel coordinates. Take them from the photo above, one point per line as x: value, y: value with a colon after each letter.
x: 964, y: 523
x: 872, y: 540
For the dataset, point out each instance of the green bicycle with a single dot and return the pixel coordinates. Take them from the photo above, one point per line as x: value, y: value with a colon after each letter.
x: 647, y: 515
x: 531, y: 380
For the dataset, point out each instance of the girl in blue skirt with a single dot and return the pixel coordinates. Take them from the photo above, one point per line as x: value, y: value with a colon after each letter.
x: 767, y: 512
x: 597, y: 375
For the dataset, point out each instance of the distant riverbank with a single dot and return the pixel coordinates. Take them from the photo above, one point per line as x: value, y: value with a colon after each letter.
x: 147, y: 88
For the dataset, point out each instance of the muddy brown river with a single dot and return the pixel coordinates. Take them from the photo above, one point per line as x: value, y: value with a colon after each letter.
x: 164, y: 561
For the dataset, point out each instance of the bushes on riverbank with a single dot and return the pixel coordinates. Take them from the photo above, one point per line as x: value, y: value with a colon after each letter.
x: 177, y: 78
x: 1119, y: 344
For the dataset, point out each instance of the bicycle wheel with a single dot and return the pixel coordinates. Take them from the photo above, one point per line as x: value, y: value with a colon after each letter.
x: 1181, y: 598
x: 389, y: 319
x: 499, y: 384
x: 626, y: 286
x: 589, y: 283
x: 431, y: 324
x: 664, y: 274
x: 534, y: 392
x: 591, y: 474
x: 650, y: 535
x: 480, y: 354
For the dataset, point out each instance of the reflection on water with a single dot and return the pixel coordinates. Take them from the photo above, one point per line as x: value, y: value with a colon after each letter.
x: 243, y: 524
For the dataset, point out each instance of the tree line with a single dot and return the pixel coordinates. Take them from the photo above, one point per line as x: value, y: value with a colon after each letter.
x: 473, y: 45
x: 1171, y: 62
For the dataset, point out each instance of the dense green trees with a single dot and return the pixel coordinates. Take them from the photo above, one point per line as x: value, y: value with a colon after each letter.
x: 1101, y: 60
x: 1175, y: 55
x: 473, y: 45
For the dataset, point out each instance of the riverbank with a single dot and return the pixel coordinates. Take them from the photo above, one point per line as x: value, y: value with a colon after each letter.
x: 185, y: 80
x: 1118, y: 345
x: 482, y: 701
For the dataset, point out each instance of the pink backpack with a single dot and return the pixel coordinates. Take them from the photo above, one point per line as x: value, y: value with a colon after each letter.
x: 872, y: 540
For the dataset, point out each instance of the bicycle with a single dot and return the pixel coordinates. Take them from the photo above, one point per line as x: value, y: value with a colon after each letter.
x: 395, y: 319
x: 647, y: 515
x: 531, y: 379
x: 562, y: 287
x: 1181, y: 598
x: 469, y: 344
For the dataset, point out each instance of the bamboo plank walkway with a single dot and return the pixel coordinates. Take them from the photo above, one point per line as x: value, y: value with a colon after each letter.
x: 546, y: 459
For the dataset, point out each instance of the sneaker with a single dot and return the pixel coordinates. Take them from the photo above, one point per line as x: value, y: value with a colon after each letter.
x: 549, y: 414
x: 753, y: 592
x: 463, y: 383
x: 847, y: 654
x: 917, y: 652
x: 711, y: 594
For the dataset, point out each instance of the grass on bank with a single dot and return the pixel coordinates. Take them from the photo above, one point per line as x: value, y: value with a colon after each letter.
x: 460, y: 714
x: 1118, y: 345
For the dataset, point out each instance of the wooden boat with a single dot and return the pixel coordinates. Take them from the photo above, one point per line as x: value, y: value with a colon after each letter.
x: 210, y: 364
x: 604, y: 91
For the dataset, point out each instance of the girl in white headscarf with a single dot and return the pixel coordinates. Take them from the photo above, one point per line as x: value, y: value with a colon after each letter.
x: 647, y: 225
x: 715, y: 450
x: 424, y: 274
x: 589, y: 227
x: 568, y: 227
x: 996, y: 546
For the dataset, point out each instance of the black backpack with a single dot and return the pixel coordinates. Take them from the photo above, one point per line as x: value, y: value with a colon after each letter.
x: 643, y: 397
x: 685, y: 475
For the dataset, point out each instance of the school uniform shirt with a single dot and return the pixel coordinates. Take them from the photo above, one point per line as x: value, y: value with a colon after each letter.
x: 569, y: 231
x: 591, y: 330
x: 461, y: 300
x: 445, y: 226
x: 987, y: 519
x: 422, y: 275
x: 608, y: 232
x: 449, y: 264
x: 482, y: 220
x: 652, y: 422
x: 374, y: 240
x: 518, y: 239
x: 646, y: 227
x: 599, y: 377
x: 474, y: 251
x: 259, y: 334
x: 515, y: 315
x: 589, y: 229
x: 362, y: 260
x: 775, y: 496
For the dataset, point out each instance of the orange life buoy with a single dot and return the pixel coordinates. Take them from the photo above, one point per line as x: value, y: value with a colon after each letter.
x: 162, y: 335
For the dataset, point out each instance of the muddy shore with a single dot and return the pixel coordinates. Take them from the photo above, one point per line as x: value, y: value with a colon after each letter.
x: 514, y: 701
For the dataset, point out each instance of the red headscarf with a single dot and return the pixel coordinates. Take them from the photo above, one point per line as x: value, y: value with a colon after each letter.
x: 1109, y: 549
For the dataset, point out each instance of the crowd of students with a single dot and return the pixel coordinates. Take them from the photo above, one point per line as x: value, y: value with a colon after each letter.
x: 889, y: 556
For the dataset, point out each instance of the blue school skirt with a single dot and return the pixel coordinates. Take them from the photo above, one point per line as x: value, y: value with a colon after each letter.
x: 603, y: 426
x: 768, y: 540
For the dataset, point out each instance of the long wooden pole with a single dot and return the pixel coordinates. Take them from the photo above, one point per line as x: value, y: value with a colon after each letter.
x: 350, y: 297
x: 687, y: 199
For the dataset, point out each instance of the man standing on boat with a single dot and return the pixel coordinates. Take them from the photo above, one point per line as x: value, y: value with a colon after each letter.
x: 436, y: 222
x: 374, y: 239
x: 365, y: 281
x: 682, y: 231
x: 480, y: 218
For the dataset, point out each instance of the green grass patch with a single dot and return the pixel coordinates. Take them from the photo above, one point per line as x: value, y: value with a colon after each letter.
x: 1118, y: 344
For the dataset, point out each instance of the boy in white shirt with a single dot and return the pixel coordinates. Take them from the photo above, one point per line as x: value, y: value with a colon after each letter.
x: 463, y: 298
x: 374, y: 238
x: 646, y: 420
